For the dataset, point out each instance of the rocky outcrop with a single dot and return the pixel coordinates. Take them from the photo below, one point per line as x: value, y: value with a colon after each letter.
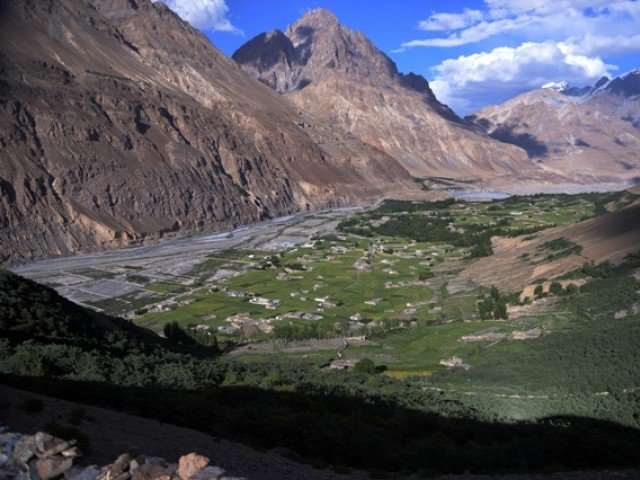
x: 338, y: 75
x: 119, y: 123
x: 589, y: 134
x: 44, y: 457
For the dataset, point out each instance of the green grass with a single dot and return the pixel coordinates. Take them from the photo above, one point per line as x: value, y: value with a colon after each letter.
x: 165, y: 287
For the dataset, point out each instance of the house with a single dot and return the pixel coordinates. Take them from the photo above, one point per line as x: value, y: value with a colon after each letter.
x: 321, y: 299
x: 236, y: 294
x: 268, y: 303
x: 373, y: 301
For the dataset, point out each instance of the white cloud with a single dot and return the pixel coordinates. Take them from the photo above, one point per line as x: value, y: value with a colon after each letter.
x: 204, y: 14
x: 471, y: 82
x: 473, y: 34
x: 603, y: 45
x: 533, y: 20
x: 451, y: 21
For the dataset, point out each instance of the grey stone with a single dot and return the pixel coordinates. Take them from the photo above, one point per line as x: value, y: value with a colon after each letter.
x: 57, y: 448
x: 42, y: 440
x: 208, y: 473
x: 120, y: 465
x: 24, y: 449
x: 89, y: 473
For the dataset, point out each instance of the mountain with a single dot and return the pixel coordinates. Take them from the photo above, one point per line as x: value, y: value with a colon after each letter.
x: 338, y: 75
x: 590, y: 133
x: 120, y: 123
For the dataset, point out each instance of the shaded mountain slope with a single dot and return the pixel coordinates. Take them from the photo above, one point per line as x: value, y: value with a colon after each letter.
x: 120, y: 123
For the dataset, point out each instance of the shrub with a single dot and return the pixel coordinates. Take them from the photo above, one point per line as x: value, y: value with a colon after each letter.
x: 555, y: 288
x: 365, y: 365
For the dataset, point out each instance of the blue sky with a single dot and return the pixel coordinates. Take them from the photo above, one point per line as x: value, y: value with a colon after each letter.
x: 473, y: 52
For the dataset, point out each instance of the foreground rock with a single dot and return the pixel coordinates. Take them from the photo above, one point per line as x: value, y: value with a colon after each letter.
x: 44, y: 457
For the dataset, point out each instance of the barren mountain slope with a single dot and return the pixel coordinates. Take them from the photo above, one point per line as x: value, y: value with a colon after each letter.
x: 520, y: 261
x: 119, y: 122
x: 338, y: 75
x: 594, y: 137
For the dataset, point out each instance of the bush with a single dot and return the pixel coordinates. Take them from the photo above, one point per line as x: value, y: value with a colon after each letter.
x: 555, y: 288
x: 572, y: 288
x: 365, y: 365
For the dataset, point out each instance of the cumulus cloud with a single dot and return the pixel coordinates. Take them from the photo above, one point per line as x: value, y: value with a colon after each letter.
x: 545, y: 41
x: 204, y: 14
x: 471, y: 82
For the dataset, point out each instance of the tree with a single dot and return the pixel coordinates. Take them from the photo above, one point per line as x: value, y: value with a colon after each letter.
x: 485, y: 309
x: 500, y: 310
x: 365, y: 365
x: 538, y: 290
x: 555, y: 288
x: 424, y: 275
x: 495, y: 293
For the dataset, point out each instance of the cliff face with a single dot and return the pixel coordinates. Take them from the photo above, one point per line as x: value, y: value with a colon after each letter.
x: 590, y: 134
x: 338, y: 75
x: 119, y: 123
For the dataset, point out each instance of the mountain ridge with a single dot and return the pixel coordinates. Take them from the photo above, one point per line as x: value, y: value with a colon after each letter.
x: 590, y: 133
x: 337, y: 74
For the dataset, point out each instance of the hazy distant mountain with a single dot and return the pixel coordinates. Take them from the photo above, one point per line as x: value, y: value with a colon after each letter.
x: 590, y: 132
x: 338, y: 75
x: 119, y: 122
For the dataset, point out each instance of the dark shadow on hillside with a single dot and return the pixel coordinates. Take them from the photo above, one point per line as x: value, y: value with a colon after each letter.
x: 529, y: 143
x: 345, y: 430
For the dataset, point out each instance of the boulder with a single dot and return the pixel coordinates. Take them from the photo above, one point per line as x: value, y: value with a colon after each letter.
x: 48, y: 468
x: 190, y: 464
x: 208, y: 473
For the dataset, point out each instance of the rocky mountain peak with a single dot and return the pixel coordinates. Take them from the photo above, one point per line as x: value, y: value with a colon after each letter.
x: 318, y: 18
x: 626, y: 86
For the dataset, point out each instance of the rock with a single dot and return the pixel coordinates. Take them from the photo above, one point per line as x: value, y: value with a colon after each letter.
x: 24, y: 449
x: 56, y: 449
x: 190, y: 464
x: 208, y: 473
x: 88, y: 473
x: 45, y: 442
x: 148, y: 471
x: 125, y: 476
x: 120, y: 465
x: 50, y: 468
x: 71, y: 452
